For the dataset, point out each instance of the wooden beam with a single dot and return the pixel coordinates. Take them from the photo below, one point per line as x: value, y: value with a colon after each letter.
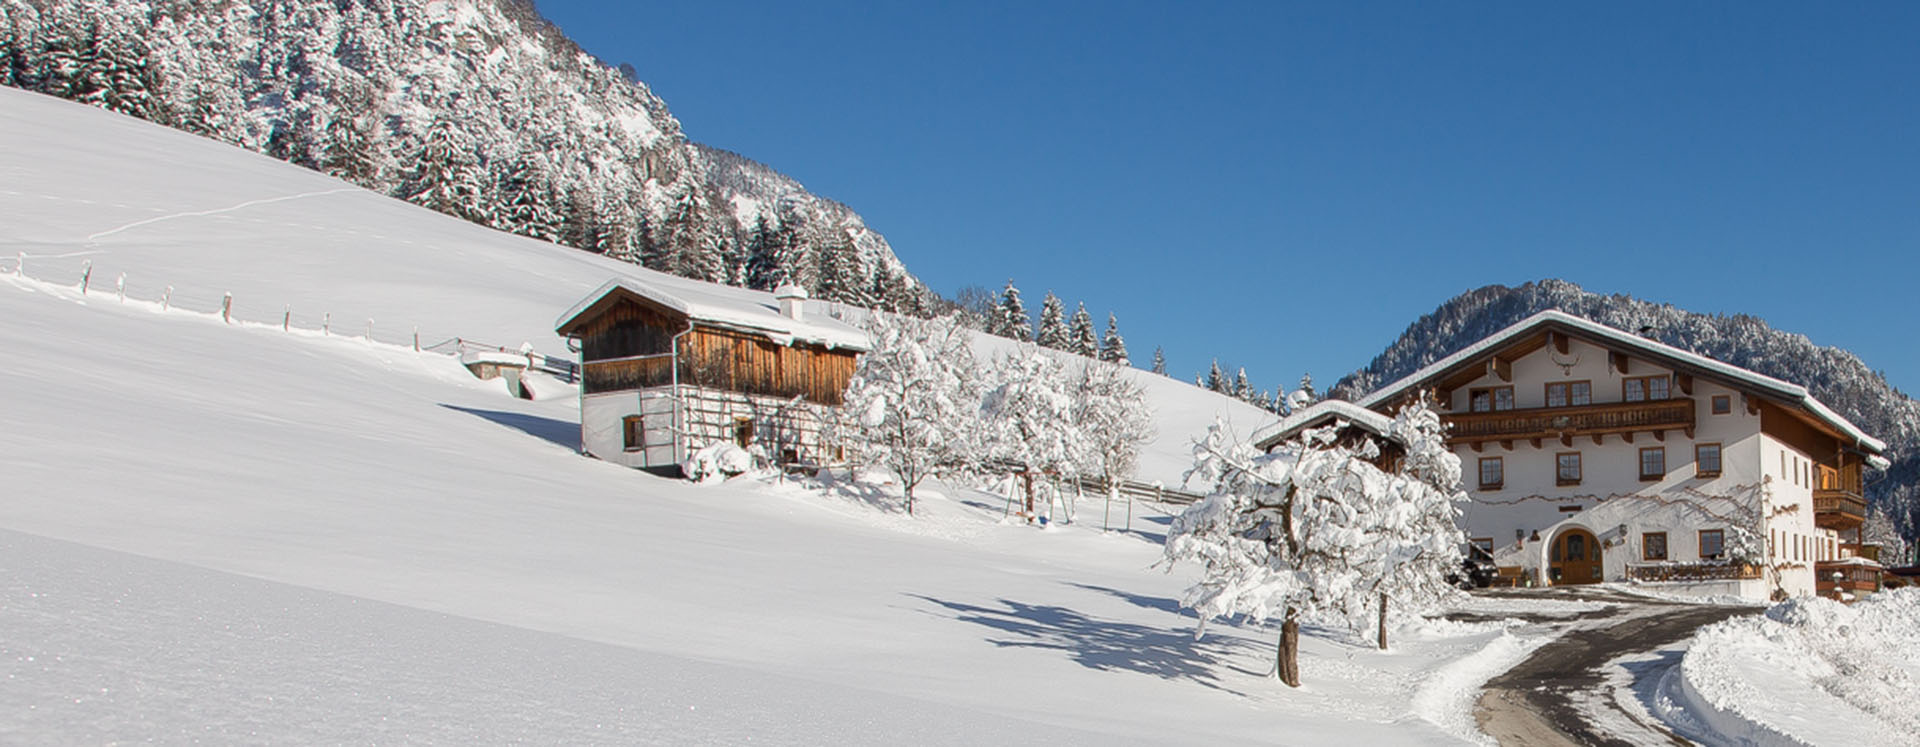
x: 1506, y: 444
x: 1444, y: 396
x: 1618, y: 361
x: 1598, y: 438
x: 1560, y: 342
x: 1500, y: 368
x: 1685, y: 382
x: 1628, y: 435
x: 1659, y: 435
x: 1689, y: 432
x: 1566, y: 440
x: 1753, y: 405
x: 1478, y: 446
x: 1536, y: 442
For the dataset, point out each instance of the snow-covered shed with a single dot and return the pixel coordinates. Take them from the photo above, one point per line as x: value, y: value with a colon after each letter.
x: 670, y: 365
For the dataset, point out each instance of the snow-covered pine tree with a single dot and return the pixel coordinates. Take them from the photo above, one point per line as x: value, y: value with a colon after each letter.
x: 1306, y: 388
x: 1052, y: 332
x: 1217, y: 379
x: 1242, y: 387
x: 529, y: 209
x: 1113, y: 347
x: 1159, y: 361
x: 914, y: 400
x: 763, y: 268
x: 1114, y: 421
x: 1012, y: 322
x: 1029, y: 413
x: 1880, y: 530
x: 1080, y: 336
x: 448, y: 175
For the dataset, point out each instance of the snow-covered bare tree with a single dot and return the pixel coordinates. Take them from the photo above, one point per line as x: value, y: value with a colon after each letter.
x: 1111, y: 414
x: 1030, y: 418
x: 1314, y: 527
x: 1413, y: 538
x: 913, y: 398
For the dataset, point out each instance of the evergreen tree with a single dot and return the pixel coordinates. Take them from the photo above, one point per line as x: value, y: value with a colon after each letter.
x: 1159, y: 361
x: 1242, y: 388
x: 763, y: 252
x: 1080, y: 337
x: 448, y: 176
x: 530, y: 209
x: 1113, y: 347
x: 1052, y: 332
x: 1217, y: 379
x: 1306, y: 386
x: 1013, y: 322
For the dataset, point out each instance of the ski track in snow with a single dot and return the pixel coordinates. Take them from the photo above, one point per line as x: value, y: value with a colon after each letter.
x: 215, y: 211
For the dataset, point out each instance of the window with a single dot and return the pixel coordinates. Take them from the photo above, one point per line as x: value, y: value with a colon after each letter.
x: 1653, y: 546
x: 1492, y: 472
x: 1722, y: 404
x: 1653, y: 463
x: 635, y: 432
x: 1485, y: 544
x: 1712, y: 543
x: 1488, y: 400
x: 1569, y: 393
x: 1706, y: 460
x: 1568, y: 469
x: 1643, y: 388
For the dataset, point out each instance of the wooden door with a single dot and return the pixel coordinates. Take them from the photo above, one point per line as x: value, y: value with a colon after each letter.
x: 1574, y: 558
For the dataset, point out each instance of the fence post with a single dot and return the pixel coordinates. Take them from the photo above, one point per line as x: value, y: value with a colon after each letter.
x: 86, y: 275
x: 326, y: 323
x: 369, y: 330
x: 120, y: 287
x: 20, y: 264
x: 166, y: 299
x: 416, y: 338
x: 286, y: 319
x: 226, y: 308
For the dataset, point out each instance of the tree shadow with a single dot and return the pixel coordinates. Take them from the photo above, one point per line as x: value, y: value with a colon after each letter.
x: 1162, y: 604
x: 1105, y: 645
x: 855, y: 491
x: 557, y: 432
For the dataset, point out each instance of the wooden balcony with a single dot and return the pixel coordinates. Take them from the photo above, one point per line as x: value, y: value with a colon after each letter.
x: 1830, y: 577
x: 1657, y: 416
x: 1837, y: 503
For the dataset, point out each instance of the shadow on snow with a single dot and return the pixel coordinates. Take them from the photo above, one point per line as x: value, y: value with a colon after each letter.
x: 1107, y: 645
x: 557, y: 432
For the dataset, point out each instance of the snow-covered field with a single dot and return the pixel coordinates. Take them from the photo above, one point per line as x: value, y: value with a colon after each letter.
x: 231, y: 532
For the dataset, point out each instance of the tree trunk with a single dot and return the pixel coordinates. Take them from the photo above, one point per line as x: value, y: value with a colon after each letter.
x: 1288, y: 662
x: 1383, y: 622
x: 910, y: 509
x: 1027, y: 478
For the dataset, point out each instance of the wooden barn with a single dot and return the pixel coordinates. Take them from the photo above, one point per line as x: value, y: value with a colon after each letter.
x: 669, y: 366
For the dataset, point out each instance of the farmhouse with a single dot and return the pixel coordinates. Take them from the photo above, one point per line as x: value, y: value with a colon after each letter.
x: 1593, y: 454
x: 669, y: 366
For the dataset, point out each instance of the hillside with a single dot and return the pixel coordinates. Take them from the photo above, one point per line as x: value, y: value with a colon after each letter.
x: 1839, y: 378
x: 236, y: 532
x: 475, y: 108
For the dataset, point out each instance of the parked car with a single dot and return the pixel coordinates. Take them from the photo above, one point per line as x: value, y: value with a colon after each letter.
x: 1476, y: 569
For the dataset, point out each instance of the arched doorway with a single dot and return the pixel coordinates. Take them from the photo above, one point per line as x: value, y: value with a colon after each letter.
x: 1574, y: 558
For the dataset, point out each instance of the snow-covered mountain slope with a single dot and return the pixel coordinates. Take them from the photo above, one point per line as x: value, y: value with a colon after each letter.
x: 169, y: 209
x: 476, y: 108
x: 244, y: 503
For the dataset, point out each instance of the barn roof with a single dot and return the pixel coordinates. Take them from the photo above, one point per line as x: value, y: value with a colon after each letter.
x: 740, y: 309
x: 1792, y: 395
x: 1318, y: 414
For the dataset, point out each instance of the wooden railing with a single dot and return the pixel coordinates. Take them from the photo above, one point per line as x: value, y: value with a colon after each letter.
x: 1846, y: 576
x: 1844, y: 479
x: 1551, y: 422
x: 1692, y: 572
x: 1834, y: 509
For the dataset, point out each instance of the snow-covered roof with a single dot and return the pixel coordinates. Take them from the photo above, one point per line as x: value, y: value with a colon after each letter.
x: 752, y: 311
x: 1740, y: 377
x: 1319, y: 413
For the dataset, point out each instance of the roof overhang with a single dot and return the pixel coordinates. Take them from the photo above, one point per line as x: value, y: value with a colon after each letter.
x: 743, y: 311
x: 1324, y: 412
x: 1534, y: 332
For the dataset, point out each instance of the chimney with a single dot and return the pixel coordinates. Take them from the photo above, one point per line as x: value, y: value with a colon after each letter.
x: 792, y: 298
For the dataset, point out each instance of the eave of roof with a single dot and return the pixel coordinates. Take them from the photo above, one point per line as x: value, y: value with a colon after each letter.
x: 1740, y: 377
x: 1318, y: 413
x: 737, y: 309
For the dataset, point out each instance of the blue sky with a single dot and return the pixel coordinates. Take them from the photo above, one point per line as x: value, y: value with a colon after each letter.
x: 1288, y: 186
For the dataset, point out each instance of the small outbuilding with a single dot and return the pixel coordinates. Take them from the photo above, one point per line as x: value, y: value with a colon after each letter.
x: 669, y: 366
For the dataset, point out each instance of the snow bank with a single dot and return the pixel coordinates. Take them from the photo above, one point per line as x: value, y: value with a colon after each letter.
x: 1811, y: 671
